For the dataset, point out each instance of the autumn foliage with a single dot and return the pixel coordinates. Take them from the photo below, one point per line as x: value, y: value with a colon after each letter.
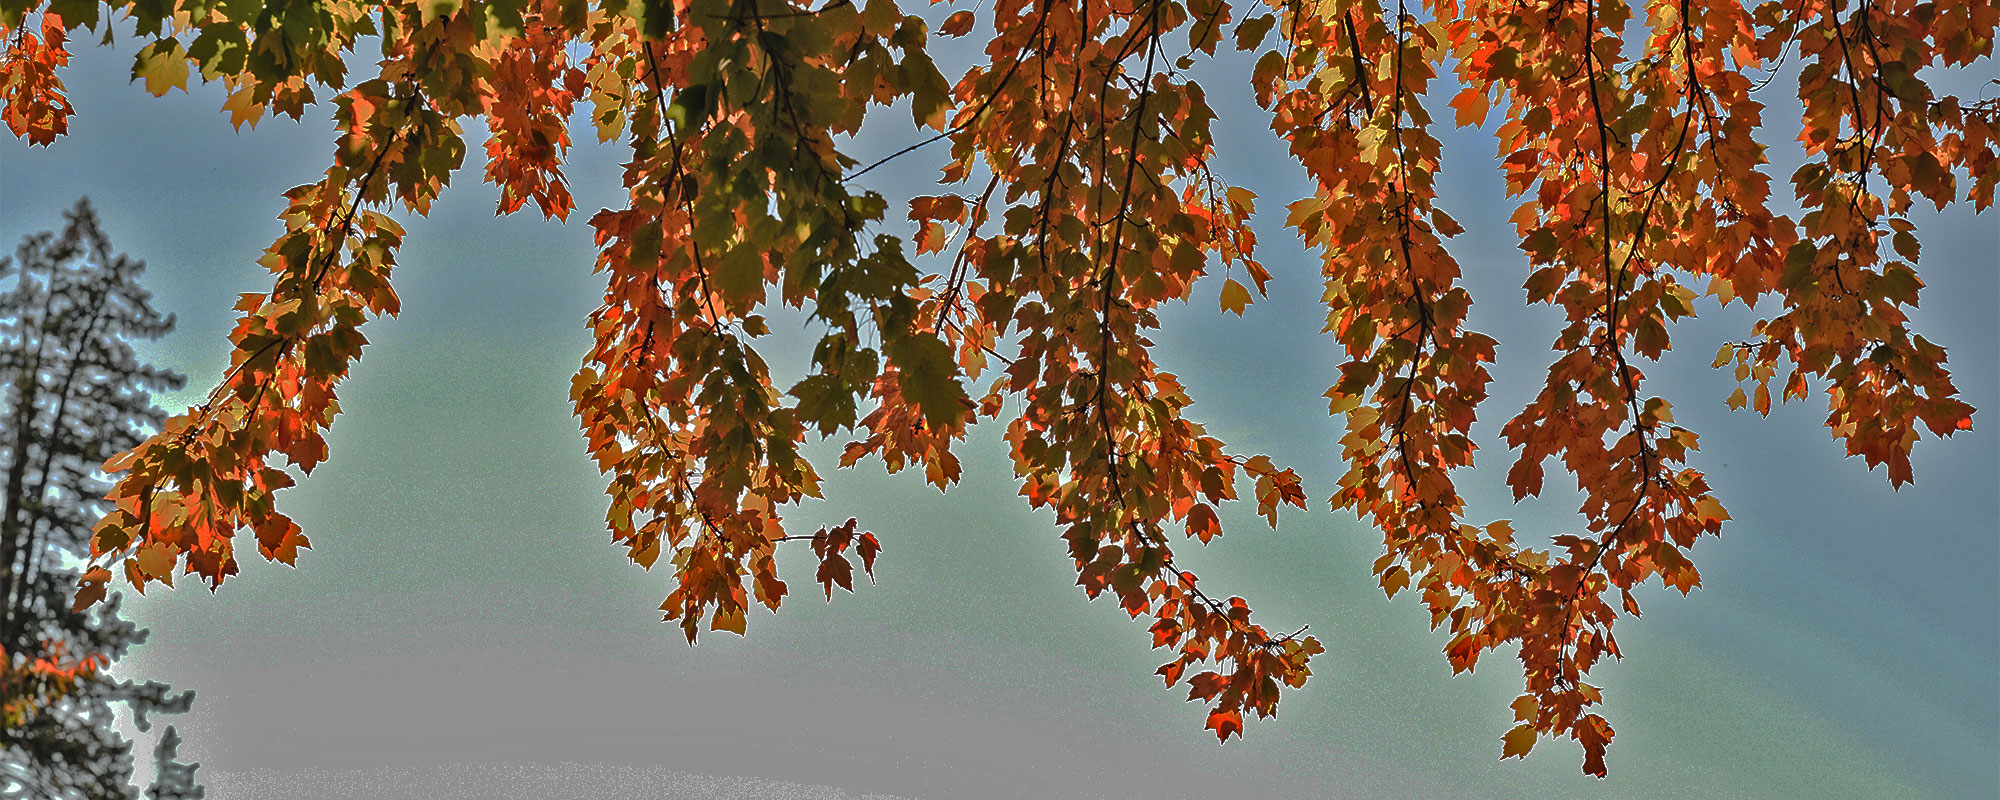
x: 1076, y: 200
x: 42, y: 681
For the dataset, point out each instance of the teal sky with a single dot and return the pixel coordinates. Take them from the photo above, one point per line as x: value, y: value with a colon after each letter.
x: 462, y: 604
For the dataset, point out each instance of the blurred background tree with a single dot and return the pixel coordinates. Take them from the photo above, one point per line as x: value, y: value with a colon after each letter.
x: 75, y: 395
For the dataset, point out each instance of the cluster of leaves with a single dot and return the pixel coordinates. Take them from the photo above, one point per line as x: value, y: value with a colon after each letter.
x: 36, y: 108
x: 74, y: 394
x: 1077, y: 200
x: 42, y: 681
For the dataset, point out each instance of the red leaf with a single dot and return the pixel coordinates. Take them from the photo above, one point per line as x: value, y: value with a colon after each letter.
x: 1225, y: 723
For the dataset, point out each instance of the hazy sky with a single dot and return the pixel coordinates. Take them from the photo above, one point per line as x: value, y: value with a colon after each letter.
x: 462, y: 608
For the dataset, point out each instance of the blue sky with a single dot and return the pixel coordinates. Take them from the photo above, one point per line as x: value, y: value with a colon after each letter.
x: 462, y: 603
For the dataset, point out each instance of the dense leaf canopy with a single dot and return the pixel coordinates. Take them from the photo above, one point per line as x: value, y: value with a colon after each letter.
x: 1076, y: 200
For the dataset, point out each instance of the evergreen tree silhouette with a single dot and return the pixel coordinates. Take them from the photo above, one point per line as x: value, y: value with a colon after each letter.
x: 172, y: 779
x: 75, y: 394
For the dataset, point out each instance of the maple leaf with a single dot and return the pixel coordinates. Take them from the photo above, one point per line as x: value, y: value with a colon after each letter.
x: 1226, y: 724
x: 930, y: 379
x: 163, y: 65
x: 1234, y: 297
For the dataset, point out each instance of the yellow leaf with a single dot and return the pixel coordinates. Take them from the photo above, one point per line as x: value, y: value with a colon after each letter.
x: 157, y: 561
x: 1660, y: 409
x: 243, y: 107
x: 728, y: 620
x: 1518, y: 741
x: 163, y: 65
x: 1525, y: 707
x: 1395, y: 580
x: 1234, y: 297
x: 646, y: 556
x: 1241, y: 200
x: 430, y: 11
x: 1341, y: 403
x: 1722, y: 289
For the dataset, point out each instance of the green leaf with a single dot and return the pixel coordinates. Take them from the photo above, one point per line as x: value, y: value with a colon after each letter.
x: 740, y: 276
x: 930, y: 378
x: 1251, y: 33
x: 824, y: 403
x: 1798, y: 264
x: 74, y: 13
x: 930, y: 95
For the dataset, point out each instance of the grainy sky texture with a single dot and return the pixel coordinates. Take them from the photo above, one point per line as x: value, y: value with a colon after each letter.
x: 462, y: 609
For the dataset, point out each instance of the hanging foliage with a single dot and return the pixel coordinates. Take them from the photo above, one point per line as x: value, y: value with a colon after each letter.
x: 1077, y: 199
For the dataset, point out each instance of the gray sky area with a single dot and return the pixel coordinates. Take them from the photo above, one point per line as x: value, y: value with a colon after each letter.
x: 463, y: 628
